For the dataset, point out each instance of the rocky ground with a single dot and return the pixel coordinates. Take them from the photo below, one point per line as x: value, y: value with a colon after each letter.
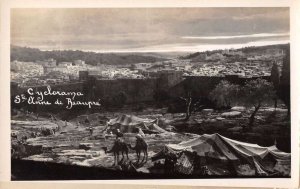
x: 269, y: 127
x: 72, y: 143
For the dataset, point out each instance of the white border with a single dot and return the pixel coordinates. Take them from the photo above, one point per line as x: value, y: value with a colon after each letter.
x: 295, y: 89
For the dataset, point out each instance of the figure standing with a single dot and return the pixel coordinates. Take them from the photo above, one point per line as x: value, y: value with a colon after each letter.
x: 91, y: 129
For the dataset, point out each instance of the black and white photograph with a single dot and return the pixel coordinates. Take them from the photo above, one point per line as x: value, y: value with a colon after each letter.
x: 150, y: 93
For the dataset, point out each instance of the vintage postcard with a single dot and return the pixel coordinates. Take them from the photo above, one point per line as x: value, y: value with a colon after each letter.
x: 142, y: 94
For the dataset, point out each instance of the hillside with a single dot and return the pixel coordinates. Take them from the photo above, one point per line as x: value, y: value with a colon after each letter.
x: 251, y: 49
x: 27, y: 54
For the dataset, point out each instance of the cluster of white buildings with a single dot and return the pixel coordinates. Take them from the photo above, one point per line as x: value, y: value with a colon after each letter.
x: 45, y: 72
x: 22, y: 71
x: 238, y: 63
x: 221, y: 63
x: 244, y: 69
x: 68, y: 68
x: 114, y: 73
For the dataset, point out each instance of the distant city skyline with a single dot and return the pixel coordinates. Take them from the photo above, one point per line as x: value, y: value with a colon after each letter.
x: 149, y: 29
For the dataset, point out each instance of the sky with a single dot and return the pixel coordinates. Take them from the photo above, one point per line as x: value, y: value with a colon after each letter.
x: 148, y: 29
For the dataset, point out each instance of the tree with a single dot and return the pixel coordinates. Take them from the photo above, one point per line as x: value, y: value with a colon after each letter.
x: 190, y: 105
x: 224, y: 94
x: 255, y: 93
x: 284, y: 86
x: 275, y: 79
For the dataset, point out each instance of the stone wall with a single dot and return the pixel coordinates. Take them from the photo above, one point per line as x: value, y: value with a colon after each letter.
x: 139, y: 90
x: 136, y: 90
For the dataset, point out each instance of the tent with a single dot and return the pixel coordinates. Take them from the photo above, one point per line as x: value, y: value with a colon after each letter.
x: 92, y: 119
x: 222, y: 154
x: 131, y: 123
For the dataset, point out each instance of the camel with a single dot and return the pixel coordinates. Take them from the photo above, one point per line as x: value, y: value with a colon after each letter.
x: 119, y: 146
x: 140, y: 146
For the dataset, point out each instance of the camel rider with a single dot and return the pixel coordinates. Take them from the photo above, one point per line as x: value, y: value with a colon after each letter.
x: 119, y: 134
x: 140, y: 132
x: 139, y: 138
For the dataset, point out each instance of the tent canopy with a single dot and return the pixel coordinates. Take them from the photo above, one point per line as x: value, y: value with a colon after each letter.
x: 129, y: 120
x: 130, y: 123
x: 238, y: 154
x: 215, y: 144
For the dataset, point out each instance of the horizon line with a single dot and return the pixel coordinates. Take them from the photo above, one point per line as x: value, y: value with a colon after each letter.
x: 191, y: 49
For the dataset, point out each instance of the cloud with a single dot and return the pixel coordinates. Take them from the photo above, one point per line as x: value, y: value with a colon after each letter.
x: 131, y: 28
x: 182, y: 47
x: 258, y: 35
